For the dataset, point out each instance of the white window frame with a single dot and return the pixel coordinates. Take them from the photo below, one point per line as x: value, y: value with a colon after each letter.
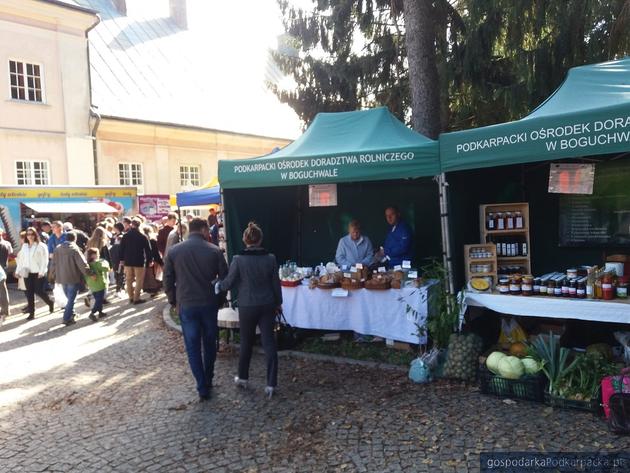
x: 186, y: 169
x: 42, y: 82
x: 31, y: 177
x: 131, y: 182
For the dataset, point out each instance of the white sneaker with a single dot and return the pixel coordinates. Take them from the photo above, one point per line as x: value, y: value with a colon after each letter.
x: 269, y: 390
x: 241, y: 383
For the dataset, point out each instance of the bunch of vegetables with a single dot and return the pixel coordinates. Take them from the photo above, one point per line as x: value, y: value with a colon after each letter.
x: 571, y: 376
x: 511, y: 367
x: 463, y: 356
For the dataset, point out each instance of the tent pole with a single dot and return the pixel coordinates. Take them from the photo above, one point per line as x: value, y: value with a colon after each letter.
x: 179, y: 218
x: 446, y: 240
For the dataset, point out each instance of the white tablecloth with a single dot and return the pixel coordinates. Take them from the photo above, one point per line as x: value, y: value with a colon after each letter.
x: 555, y: 307
x: 381, y: 313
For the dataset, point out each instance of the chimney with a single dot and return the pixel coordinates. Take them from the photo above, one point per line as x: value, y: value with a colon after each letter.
x: 178, y: 13
x: 121, y: 6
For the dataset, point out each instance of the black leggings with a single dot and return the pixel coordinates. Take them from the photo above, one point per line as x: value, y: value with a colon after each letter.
x: 35, y: 285
x: 262, y: 316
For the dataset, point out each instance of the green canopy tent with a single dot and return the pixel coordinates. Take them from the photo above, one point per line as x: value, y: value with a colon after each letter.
x: 348, y: 149
x: 589, y: 114
x: 366, y: 145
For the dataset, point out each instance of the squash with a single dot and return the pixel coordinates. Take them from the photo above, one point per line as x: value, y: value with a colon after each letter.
x: 518, y: 349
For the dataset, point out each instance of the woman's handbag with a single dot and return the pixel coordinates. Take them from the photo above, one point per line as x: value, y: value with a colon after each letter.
x: 286, y: 335
x: 151, y: 284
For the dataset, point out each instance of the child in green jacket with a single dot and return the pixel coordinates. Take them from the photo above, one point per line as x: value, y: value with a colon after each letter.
x: 96, y: 281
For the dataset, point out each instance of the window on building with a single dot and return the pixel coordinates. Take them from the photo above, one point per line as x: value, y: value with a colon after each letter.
x: 130, y: 174
x: 189, y: 175
x: 26, y: 81
x: 32, y: 173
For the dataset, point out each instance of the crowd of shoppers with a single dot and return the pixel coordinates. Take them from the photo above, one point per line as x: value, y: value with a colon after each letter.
x: 59, y: 259
x: 138, y: 255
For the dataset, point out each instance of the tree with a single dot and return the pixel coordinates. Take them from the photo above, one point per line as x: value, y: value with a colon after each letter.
x: 421, y: 58
x: 496, y: 59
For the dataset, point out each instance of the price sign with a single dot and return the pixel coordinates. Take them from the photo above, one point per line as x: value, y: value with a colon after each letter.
x: 382, y: 269
x: 398, y: 268
x: 413, y: 274
x: 406, y: 264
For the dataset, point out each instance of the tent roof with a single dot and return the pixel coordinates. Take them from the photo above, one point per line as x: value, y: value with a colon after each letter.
x: 203, y: 196
x: 340, y: 147
x: 588, y: 114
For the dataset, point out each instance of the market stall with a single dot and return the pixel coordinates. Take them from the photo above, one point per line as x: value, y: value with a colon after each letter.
x: 346, y: 166
x: 562, y: 170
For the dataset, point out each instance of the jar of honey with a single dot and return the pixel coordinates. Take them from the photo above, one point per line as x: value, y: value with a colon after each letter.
x: 515, y: 285
x: 527, y: 285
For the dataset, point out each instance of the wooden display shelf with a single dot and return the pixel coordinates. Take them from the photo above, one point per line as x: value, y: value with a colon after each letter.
x: 507, y: 232
x: 521, y: 235
x: 492, y: 261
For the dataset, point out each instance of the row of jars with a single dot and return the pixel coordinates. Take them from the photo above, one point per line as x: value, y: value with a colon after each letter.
x: 504, y: 221
x: 578, y: 288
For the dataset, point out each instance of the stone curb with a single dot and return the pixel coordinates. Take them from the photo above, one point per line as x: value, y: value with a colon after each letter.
x: 166, y: 315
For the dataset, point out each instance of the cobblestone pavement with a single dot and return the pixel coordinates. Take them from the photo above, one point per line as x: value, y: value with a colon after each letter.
x: 117, y: 396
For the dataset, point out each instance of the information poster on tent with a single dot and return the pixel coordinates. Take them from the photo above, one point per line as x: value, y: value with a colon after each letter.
x: 322, y: 195
x: 155, y: 206
x: 571, y: 178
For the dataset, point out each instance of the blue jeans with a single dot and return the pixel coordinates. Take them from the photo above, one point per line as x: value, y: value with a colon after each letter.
x: 70, y: 290
x: 99, y: 297
x: 199, y: 326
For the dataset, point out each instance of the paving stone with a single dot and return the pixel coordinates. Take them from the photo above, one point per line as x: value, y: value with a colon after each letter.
x: 117, y: 395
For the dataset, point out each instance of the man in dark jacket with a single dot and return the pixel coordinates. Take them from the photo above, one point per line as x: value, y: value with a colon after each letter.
x: 135, y: 253
x: 190, y: 268
x: 162, y: 236
x: 69, y: 268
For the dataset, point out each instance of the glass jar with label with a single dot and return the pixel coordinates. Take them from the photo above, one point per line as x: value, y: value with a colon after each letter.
x: 499, y: 221
x: 518, y: 220
x: 536, y: 286
x: 504, y: 286
x: 515, y: 285
x: 509, y: 221
x: 557, y: 290
x: 527, y: 285
x: 551, y: 287
x: 622, y: 287
x: 608, y: 292
x: 573, y: 288
x: 490, y: 223
x: 581, y: 289
x: 565, y: 287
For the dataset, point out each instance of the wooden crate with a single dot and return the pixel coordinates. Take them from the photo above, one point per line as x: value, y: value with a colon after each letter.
x: 492, y: 260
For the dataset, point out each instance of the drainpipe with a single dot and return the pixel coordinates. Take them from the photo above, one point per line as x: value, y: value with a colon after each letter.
x: 97, y: 121
x: 93, y: 113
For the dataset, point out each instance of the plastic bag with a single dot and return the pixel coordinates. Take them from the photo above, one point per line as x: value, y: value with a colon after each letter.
x: 419, y: 372
x: 60, y: 297
x: 511, y: 332
x: 624, y: 339
x: 21, y: 284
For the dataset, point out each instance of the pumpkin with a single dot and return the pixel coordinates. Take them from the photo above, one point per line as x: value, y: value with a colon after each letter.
x: 518, y: 349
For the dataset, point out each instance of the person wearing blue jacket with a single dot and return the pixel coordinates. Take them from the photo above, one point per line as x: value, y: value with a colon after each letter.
x: 399, y: 239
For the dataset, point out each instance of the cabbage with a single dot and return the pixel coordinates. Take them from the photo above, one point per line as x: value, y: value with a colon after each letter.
x: 511, y: 367
x: 492, y: 362
x: 531, y: 366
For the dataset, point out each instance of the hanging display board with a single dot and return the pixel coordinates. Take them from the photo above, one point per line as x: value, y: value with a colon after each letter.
x: 571, y: 178
x: 322, y: 195
x: 600, y: 219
